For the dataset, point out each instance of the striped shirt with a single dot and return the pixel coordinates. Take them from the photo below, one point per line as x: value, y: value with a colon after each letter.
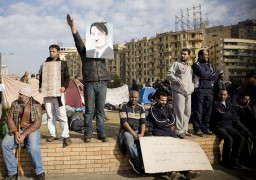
x: 133, y: 116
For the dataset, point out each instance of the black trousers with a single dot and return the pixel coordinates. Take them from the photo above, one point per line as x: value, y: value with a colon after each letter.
x: 202, y: 108
x: 233, y: 143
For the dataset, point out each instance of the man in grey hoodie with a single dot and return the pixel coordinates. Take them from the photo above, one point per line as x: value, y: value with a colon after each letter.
x: 180, y: 74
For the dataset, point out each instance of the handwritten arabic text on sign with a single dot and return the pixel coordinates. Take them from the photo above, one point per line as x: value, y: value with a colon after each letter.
x: 165, y: 154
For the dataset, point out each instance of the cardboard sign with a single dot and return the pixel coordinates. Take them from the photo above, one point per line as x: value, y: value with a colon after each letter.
x: 51, y: 79
x: 165, y: 154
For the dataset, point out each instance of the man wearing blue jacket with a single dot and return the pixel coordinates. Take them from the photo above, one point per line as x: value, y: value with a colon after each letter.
x: 204, y: 76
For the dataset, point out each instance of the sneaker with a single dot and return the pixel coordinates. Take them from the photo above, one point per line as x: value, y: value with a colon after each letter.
x: 50, y: 139
x: 87, y: 139
x: 188, y: 134
x: 191, y: 174
x: 236, y: 164
x: 199, y: 133
x: 67, y: 141
x: 181, y: 135
x: 40, y: 176
x: 135, y: 167
x: 174, y: 175
x: 103, y: 138
x: 11, y: 177
x: 228, y: 165
x: 208, y: 132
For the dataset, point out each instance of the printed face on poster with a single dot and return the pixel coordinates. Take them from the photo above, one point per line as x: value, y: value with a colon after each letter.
x: 99, y: 40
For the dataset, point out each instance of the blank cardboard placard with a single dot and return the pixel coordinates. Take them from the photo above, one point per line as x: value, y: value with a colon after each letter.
x: 165, y: 154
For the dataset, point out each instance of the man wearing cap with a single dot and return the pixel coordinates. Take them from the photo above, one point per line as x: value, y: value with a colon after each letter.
x: 29, y: 111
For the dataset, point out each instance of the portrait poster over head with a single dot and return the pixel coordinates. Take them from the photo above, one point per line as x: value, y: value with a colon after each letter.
x: 99, y: 40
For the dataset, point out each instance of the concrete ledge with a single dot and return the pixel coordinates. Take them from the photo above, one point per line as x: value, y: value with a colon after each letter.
x: 95, y: 157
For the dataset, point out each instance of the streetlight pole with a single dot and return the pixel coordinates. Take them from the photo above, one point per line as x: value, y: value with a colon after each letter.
x: 0, y: 63
x: 10, y: 54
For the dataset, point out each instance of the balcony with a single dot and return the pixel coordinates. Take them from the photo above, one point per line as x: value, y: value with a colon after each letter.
x: 160, y: 66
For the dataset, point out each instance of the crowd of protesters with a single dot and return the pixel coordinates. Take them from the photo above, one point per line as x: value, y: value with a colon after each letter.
x: 213, y: 105
x: 197, y: 93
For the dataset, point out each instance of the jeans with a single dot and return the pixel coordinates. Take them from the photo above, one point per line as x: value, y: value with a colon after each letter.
x: 133, y: 148
x: 95, y: 97
x: 233, y: 143
x: 33, y: 148
x: 54, y: 112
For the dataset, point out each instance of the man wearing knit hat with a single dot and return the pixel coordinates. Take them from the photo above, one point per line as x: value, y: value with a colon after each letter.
x: 28, y: 112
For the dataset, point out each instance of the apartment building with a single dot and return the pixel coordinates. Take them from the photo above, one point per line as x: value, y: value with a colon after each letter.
x: 117, y: 65
x: 244, y: 29
x: 237, y: 57
x: 4, y: 70
x: 232, y: 49
x: 150, y: 57
x: 212, y: 40
x: 70, y: 55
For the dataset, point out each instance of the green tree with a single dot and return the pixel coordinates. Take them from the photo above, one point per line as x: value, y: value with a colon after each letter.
x: 115, y: 81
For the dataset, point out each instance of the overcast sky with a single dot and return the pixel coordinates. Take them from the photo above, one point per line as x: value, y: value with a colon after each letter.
x: 27, y: 28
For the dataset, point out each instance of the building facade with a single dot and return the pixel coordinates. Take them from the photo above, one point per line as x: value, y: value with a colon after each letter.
x: 237, y: 57
x: 71, y: 56
x: 148, y: 58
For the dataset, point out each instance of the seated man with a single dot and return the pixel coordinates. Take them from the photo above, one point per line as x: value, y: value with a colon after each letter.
x: 132, y: 119
x: 247, y: 115
x: 162, y: 123
x: 29, y: 112
x: 222, y: 123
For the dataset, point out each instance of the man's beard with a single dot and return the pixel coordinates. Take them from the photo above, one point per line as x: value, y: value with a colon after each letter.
x: 21, y: 102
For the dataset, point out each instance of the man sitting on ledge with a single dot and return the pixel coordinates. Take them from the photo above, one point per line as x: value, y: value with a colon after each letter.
x: 132, y: 119
x: 222, y: 123
x: 162, y: 123
x: 29, y: 111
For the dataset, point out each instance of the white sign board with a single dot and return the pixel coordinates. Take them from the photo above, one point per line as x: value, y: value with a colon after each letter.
x: 51, y: 79
x: 116, y: 96
x: 165, y: 154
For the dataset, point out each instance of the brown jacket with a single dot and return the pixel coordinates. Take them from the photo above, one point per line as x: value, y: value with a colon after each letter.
x: 26, y: 124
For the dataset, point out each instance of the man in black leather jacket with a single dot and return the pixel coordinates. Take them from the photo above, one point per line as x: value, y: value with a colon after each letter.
x: 95, y: 77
